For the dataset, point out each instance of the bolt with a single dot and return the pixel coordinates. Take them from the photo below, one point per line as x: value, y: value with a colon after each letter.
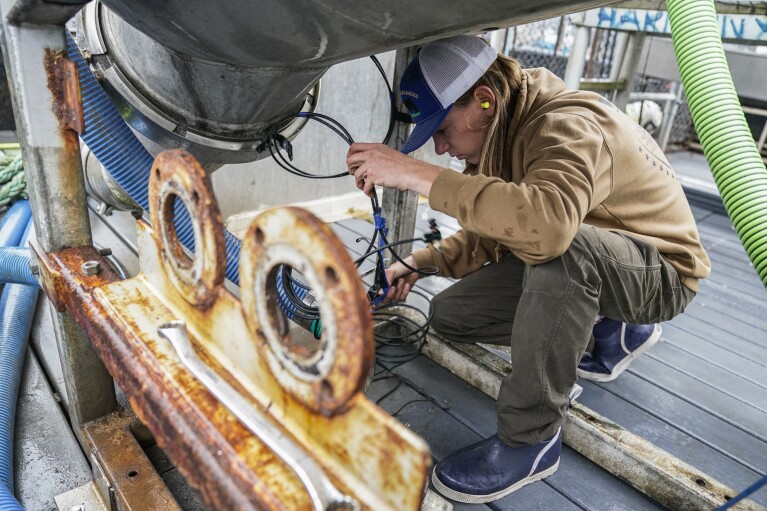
x: 104, y: 252
x: 91, y: 267
x: 78, y: 507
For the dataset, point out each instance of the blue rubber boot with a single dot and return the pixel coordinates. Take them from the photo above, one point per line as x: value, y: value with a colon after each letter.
x: 490, y: 469
x: 616, y: 344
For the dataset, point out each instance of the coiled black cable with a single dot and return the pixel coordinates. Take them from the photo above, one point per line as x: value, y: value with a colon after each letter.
x: 408, y: 342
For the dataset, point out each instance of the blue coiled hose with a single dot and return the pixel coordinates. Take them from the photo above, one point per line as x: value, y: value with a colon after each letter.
x: 14, y: 266
x: 17, y: 309
x: 15, y: 223
x: 116, y: 147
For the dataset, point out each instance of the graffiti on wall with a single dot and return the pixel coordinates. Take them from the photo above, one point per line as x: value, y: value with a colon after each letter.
x: 732, y: 26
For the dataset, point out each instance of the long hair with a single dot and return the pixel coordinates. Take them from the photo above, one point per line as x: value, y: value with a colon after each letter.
x: 504, y: 78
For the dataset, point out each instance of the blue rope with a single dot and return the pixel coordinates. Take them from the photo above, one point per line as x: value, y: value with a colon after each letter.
x: 742, y: 495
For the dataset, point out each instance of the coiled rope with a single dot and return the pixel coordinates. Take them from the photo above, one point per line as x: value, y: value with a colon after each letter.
x: 13, y: 184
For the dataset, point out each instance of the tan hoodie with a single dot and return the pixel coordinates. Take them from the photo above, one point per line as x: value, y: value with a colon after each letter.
x: 575, y: 158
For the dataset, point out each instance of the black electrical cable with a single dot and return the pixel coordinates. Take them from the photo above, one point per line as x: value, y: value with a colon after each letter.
x: 407, y: 345
x: 392, y: 103
x: 274, y: 142
x: 390, y: 347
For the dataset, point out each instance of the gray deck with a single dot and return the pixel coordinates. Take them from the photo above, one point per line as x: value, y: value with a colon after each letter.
x: 700, y: 394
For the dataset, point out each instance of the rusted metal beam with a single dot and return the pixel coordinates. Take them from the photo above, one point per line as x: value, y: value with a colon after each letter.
x: 125, y: 477
x: 311, y: 392
x: 653, y: 471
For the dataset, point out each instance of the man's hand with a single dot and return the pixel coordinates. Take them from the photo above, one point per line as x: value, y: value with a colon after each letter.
x: 380, y: 165
x: 401, y: 280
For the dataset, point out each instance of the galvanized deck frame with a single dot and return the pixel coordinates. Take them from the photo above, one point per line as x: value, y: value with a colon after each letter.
x: 314, y: 399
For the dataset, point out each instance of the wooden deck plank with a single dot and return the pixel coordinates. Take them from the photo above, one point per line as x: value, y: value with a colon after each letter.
x: 743, y: 325
x: 708, y: 305
x: 721, y: 336
x: 691, y: 419
x: 713, y: 293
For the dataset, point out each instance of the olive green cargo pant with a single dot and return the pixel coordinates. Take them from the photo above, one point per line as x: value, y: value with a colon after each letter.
x: 546, y: 312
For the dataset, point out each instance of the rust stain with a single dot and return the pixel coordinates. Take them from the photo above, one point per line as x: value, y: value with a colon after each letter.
x: 180, y: 414
x: 64, y: 85
x: 187, y: 422
x: 59, y: 270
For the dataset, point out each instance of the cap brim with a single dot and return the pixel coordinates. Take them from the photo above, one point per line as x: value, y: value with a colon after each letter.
x: 424, y: 130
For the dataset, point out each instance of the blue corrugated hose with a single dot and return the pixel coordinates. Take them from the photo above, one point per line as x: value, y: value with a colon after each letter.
x: 17, y: 308
x: 113, y: 143
x: 14, y: 266
x: 15, y: 223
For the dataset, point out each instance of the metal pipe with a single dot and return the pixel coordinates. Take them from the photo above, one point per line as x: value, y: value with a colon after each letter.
x: 400, y: 207
x: 47, y: 112
x: 628, y: 68
x: 669, y: 114
x: 577, y: 61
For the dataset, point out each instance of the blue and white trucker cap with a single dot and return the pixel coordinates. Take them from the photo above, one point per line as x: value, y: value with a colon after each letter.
x: 440, y: 74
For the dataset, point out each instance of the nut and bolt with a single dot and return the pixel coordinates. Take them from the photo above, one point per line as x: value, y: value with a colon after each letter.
x: 91, y: 267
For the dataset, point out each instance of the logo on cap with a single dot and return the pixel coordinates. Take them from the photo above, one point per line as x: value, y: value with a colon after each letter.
x: 410, y: 105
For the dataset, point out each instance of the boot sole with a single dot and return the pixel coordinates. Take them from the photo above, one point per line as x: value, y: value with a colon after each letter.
x: 623, y: 364
x: 467, y: 498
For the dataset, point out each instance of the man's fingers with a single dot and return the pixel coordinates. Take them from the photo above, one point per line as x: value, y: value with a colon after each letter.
x: 368, y: 187
x: 361, y: 146
x: 405, y: 291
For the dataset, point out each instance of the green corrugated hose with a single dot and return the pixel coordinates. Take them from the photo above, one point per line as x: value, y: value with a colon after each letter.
x: 727, y: 142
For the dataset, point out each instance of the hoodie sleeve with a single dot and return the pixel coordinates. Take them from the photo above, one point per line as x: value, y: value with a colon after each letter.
x: 459, y: 254
x: 538, y: 218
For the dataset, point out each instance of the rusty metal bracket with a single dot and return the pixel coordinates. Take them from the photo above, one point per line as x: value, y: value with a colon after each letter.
x: 309, y: 392
x: 125, y: 477
x: 322, y: 492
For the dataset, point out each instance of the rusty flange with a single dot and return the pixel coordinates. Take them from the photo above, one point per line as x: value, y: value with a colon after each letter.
x: 176, y: 175
x: 326, y: 376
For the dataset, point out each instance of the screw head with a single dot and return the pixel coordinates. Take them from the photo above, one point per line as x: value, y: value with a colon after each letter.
x: 91, y: 267
x: 78, y: 507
